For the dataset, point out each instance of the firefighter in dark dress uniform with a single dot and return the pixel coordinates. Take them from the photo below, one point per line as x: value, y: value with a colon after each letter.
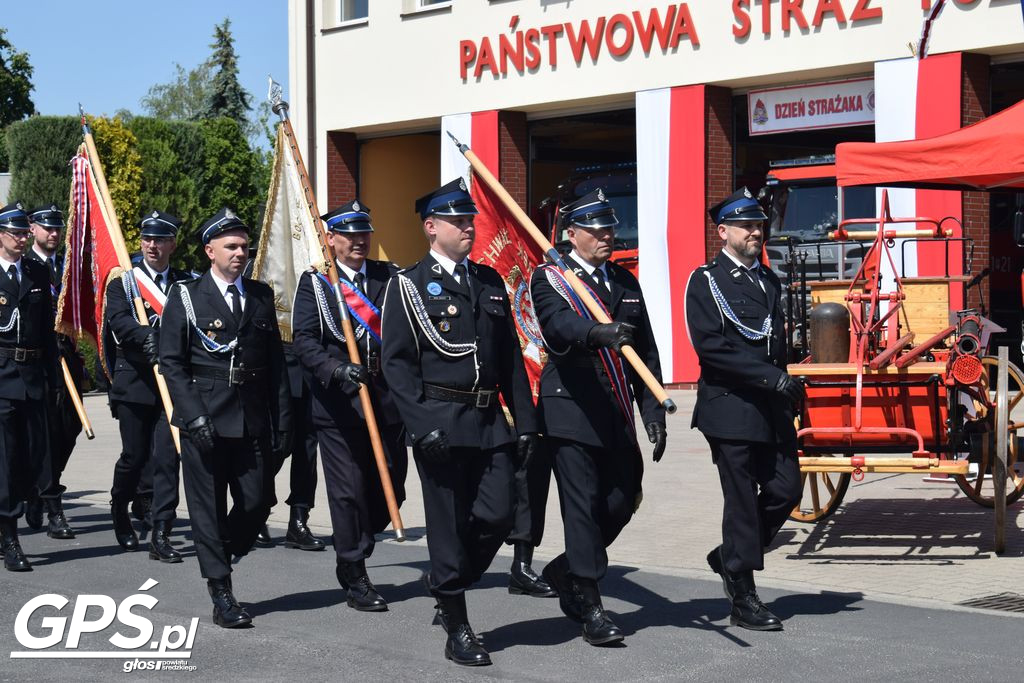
x: 586, y: 406
x: 28, y: 373
x: 744, y: 400
x: 220, y: 350
x: 65, y: 425
x: 132, y: 350
x: 450, y: 350
x: 354, y: 493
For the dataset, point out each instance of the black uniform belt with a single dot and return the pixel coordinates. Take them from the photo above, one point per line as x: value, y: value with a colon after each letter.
x: 233, y: 376
x: 480, y: 399
x: 19, y: 354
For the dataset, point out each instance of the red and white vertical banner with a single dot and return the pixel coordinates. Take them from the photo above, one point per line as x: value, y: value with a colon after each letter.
x: 670, y: 148
x: 917, y: 99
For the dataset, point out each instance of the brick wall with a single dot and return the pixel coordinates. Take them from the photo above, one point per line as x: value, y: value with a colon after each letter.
x: 718, y: 161
x: 975, y: 105
x: 342, y: 169
x: 513, y: 153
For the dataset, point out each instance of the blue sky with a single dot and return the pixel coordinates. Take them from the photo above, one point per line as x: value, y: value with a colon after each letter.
x: 107, y: 54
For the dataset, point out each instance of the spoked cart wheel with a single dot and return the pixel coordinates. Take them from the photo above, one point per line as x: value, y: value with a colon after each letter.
x: 823, y: 492
x: 978, y: 484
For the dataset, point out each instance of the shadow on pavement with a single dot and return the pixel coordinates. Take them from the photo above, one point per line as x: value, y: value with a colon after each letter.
x: 936, y: 531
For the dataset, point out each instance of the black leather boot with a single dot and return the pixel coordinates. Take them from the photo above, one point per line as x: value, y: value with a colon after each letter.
x: 160, y: 547
x: 359, y: 591
x: 57, y: 523
x: 522, y: 579
x: 569, y: 598
x: 263, y: 539
x: 747, y: 609
x: 14, y: 557
x: 463, y: 647
x: 34, y: 512
x: 598, y: 627
x: 299, y: 536
x: 718, y: 566
x: 142, y: 509
x: 124, y: 532
x: 227, y: 613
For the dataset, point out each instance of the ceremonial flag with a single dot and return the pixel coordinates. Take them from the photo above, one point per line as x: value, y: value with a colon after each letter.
x: 90, y: 257
x: 501, y: 245
x: 288, y: 242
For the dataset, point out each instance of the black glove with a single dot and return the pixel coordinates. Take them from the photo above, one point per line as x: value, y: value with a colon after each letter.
x: 790, y: 388
x: 434, y: 446
x: 281, y: 444
x: 151, y: 346
x: 349, y: 376
x: 202, y: 433
x: 656, y: 434
x: 526, y: 446
x: 611, y: 335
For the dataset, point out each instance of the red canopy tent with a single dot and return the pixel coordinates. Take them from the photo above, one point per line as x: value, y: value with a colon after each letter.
x: 987, y: 155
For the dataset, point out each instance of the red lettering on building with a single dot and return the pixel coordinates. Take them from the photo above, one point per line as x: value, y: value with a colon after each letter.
x: 833, y: 7
x: 585, y: 38
x: 619, y: 21
x: 741, y: 29
x: 863, y: 12
x: 653, y: 26
x: 793, y: 9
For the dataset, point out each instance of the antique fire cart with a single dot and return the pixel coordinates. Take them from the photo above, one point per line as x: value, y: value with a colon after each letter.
x: 897, y: 383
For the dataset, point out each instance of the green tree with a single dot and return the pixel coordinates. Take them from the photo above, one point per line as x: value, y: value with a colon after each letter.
x: 118, y: 151
x: 170, y: 152
x: 15, y: 83
x: 183, y: 98
x: 40, y: 148
x: 226, y: 97
x: 234, y: 175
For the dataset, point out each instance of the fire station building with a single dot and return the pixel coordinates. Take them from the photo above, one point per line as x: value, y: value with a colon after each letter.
x: 667, y: 105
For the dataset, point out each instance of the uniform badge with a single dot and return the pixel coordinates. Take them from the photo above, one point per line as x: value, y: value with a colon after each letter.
x: 444, y: 326
x: 3, y: 300
x: 146, y: 304
x: 462, y: 185
x: 228, y: 213
x: 212, y: 336
x: 452, y: 310
x: 436, y: 268
x: 218, y: 324
x: 355, y: 206
x: 155, y: 214
x: 434, y: 288
x: 600, y: 195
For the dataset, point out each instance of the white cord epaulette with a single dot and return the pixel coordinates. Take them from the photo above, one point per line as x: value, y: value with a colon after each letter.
x: 325, y: 311
x: 411, y: 299
x: 208, y: 344
x: 13, y: 323
x: 727, y: 313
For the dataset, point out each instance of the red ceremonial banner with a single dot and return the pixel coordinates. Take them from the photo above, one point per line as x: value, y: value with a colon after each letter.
x: 90, y: 258
x: 501, y: 245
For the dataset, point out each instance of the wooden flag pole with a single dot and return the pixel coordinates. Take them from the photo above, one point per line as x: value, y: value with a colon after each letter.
x: 76, y: 399
x: 124, y: 261
x: 281, y: 109
x: 627, y: 352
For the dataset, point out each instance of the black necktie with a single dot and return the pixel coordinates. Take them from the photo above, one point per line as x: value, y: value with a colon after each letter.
x: 358, y: 281
x: 13, y: 272
x: 160, y: 281
x: 236, y: 303
x: 599, y: 278
x: 460, y: 272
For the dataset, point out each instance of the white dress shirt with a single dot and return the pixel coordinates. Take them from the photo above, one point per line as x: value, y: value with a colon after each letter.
x: 223, y: 287
x: 591, y: 268
x: 449, y: 265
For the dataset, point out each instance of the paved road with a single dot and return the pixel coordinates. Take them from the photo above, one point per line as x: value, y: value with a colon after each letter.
x: 678, y: 627
x: 872, y: 592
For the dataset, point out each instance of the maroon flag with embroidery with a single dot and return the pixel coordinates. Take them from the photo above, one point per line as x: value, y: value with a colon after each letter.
x: 501, y: 244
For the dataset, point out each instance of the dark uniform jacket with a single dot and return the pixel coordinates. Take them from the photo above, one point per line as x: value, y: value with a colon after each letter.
x: 133, y: 380
x: 456, y: 316
x: 34, y: 303
x: 320, y: 352
x: 736, y: 396
x: 255, y: 407
x: 576, y: 400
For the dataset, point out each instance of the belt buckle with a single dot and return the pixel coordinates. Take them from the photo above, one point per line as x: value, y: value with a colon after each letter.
x: 483, y: 399
x: 20, y: 355
x: 235, y: 376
